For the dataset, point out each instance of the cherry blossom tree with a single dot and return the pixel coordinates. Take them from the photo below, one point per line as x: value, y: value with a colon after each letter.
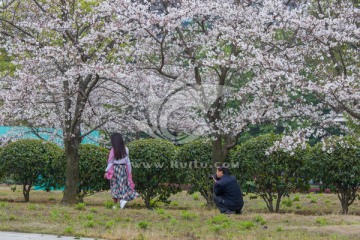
x: 246, y: 62
x: 70, y: 58
x: 206, y: 67
x: 232, y: 59
x: 330, y: 34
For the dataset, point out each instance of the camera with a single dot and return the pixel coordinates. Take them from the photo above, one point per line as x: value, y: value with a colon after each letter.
x: 213, y: 176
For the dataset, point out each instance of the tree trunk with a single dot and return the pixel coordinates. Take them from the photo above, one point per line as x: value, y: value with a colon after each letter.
x: 271, y: 207
x: 210, y: 205
x: 147, y: 202
x: 209, y: 197
x: 72, y: 170
x: 344, y: 202
x: 221, y: 147
x: 278, y: 201
x: 345, y: 207
x: 26, y: 192
x: 81, y: 197
x: 269, y: 201
x: 347, y: 196
x: 72, y: 132
x: 269, y: 204
x: 218, y: 156
x: 217, y: 153
x: 207, y: 192
x: 137, y: 135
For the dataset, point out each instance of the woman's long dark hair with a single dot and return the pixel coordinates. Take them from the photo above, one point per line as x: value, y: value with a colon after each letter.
x: 118, y: 145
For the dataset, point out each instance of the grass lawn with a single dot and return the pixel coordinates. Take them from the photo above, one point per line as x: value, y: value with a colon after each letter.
x: 310, y: 216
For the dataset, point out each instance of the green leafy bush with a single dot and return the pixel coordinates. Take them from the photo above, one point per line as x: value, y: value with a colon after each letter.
x: 274, y: 175
x: 109, y: 204
x: 246, y: 225
x: 313, y: 200
x: 322, y: 221
x: 69, y: 230
x: 287, y: 202
x: 195, y: 197
x: 160, y: 211
x: 110, y: 224
x: 143, y: 224
x: 259, y: 219
x: 93, y: 161
x: 80, y: 206
x: 296, y: 198
x: 188, y: 215
x: 217, y: 226
x: 336, y: 162
x: 221, y: 218
x: 33, y: 162
x: 89, y: 224
x: 194, y: 159
x: 154, y: 177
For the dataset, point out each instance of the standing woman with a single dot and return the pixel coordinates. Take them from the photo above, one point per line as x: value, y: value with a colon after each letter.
x: 118, y: 171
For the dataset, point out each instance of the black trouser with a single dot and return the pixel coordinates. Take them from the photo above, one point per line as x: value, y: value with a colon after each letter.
x: 223, y: 206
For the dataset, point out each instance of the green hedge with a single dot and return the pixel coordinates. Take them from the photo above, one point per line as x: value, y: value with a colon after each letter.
x: 271, y: 176
x: 153, y: 174
x: 33, y: 162
x: 336, y: 162
x: 93, y: 161
x: 194, y: 161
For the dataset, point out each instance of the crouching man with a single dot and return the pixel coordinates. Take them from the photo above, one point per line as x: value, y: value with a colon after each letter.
x: 228, y: 196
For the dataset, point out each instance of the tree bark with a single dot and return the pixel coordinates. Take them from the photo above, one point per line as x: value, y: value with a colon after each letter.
x: 344, y: 200
x: 26, y: 192
x: 72, y: 134
x: 278, y: 201
x: 217, y: 155
x: 72, y: 170
x: 147, y: 202
x: 346, y: 197
x: 345, y: 207
x: 210, y: 204
x: 267, y: 197
x: 208, y: 194
x: 270, y: 205
x: 221, y: 147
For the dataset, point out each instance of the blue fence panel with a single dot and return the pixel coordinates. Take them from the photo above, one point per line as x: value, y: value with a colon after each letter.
x: 48, y: 134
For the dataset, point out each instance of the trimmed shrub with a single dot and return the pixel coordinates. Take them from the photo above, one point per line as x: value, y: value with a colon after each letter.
x: 194, y: 160
x: 33, y: 162
x: 93, y: 161
x: 274, y: 175
x: 153, y: 174
x: 336, y: 162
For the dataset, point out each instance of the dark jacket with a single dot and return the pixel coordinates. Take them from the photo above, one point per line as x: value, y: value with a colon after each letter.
x: 228, y: 188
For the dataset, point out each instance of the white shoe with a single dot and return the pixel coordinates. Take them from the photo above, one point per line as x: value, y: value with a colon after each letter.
x: 122, y: 203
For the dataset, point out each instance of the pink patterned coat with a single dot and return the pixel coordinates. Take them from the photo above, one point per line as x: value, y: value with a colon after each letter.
x: 110, y: 167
